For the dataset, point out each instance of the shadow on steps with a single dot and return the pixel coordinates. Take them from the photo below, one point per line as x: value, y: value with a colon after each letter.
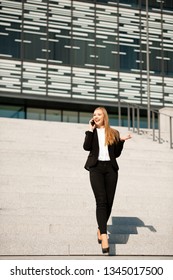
x: 121, y: 229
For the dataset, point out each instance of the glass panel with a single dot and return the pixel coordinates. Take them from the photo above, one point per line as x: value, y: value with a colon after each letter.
x: 168, y: 5
x: 59, y: 31
x: 53, y: 115
x: 10, y: 45
x: 156, y: 61
x: 106, y: 38
x: 107, y: 53
x: 167, y: 44
x: 144, y: 122
x: 70, y: 116
x: 168, y: 63
x: 12, y: 112
x: 129, y: 3
x: 35, y: 30
x: 83, y: 32
x: 35, y: 47
x: 84, y: 117
x: 35, y: 114
x: 92, y: 1
x: 104, y: 1
x: 155, y: 41
x: 59, y: 68
x: 129, y: 59
x: 113, y: 119
x: 151, y: 4
x: 129, y: 39
x: 83, y: 52
x: 10, y: 28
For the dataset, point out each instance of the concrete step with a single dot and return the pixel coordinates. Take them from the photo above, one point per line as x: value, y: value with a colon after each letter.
x: 47, y: 206
x: 56, y: 244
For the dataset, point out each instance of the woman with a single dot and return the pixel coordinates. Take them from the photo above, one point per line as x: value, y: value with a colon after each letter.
x: 105, y: 145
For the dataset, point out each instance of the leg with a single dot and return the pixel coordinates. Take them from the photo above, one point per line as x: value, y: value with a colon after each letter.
x: 98, y: 186
x: 111, y: 178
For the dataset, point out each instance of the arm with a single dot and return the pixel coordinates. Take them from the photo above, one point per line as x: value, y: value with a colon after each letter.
x: 89, y: 136
x: 120, y: 144
x: 88, y: 140
x: 118, y: 148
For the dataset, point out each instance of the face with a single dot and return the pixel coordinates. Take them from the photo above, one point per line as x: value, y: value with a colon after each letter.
x: 98, y: 117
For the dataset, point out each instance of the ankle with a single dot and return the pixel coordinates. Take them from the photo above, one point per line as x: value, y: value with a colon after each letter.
x: 104, y: 244
x: 104, y: 239
x: 104, y: 236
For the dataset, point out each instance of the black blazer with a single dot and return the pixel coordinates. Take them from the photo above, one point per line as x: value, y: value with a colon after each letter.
x: 91, y: 144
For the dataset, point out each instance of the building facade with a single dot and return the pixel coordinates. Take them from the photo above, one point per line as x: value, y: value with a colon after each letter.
x: 61, y: 58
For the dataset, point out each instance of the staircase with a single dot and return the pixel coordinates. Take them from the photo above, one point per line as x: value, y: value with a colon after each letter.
x: 46, y: 203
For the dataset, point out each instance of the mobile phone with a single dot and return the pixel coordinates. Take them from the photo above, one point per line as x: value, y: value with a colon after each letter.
x: 92, y: 122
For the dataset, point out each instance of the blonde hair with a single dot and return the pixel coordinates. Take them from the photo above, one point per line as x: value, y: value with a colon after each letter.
x: 111, y: 135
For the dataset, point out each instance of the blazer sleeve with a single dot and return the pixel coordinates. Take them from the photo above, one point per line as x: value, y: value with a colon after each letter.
x: 88, y: 141
x: 118, y: 148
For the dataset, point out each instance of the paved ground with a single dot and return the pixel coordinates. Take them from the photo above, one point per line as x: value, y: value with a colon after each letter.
x: 86, y: 257
x: 47, y: 208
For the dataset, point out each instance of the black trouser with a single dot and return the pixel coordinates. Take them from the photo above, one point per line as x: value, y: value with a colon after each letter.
x: 103, y: 180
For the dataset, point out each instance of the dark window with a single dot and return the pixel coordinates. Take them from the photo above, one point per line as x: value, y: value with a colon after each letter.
x: 53, y: 115
x: 70, y: 116
x: 128, y: 58
x: 7, y: 111
x: 36, y: 114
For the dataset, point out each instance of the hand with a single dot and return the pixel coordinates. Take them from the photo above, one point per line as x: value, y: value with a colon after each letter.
x: 126, y: 137
x: 91, y: 125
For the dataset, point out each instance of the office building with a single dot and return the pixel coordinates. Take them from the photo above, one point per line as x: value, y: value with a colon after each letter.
x: 59, y: 59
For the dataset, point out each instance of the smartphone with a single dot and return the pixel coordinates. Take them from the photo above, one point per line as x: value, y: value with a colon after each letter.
x: 92, y: 122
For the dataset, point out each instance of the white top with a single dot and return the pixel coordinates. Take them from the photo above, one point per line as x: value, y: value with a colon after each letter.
x: 103, y: 149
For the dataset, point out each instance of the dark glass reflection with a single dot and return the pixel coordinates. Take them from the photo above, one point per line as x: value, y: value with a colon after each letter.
x: 10, y: 111
x: 129, y: 58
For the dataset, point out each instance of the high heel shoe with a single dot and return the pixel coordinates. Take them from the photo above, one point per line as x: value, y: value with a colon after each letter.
x: 99, y: 241
x: 105, y: 244
x: 105, y: 250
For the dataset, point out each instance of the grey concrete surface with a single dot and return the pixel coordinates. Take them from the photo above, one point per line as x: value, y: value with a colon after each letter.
x: 165, y: 113
x: 47, y: 207
x: 89, y: 257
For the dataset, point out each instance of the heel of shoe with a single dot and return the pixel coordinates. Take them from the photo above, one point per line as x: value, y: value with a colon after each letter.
x: 99, y: 237
x: 99, y: 241
x: 104, y: 244
x: 105, y: 250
